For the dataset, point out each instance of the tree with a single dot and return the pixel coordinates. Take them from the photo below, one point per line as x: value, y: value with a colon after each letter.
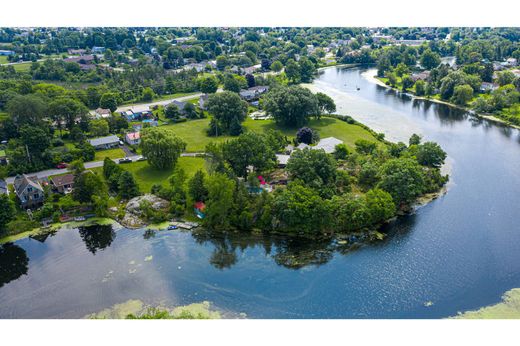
x: 208, y: 85
x: 315, y: 168
x: 462, y: 94
x: 26, y: 110
x: 66, y: 110
x: 249, y: 149
x: 325, y: 103
x: 429, y: 59
x: 290, y: 106
x: 380, y: 204
x: 307, y: 135
x: 505, y: 77
x: 420, y: 87
x: 86, y: 185
x: 415, y: 139
x: 250, y: 80
x: 128, y: 187
x: 292, y: 71
x: 300, y: 209
x: 220, y: 201
x: 7, y: 211
x: 234, y: 83
x: 172, y: 111
x: 222, y: 62
x: 99, y: 127
x: 431, y: 154
x: 403, y: 179
x: 197, y: 188
x: 341, y: 151
x: 364, y: 146
x: 147, y: 94
x: 35, y: 138
x: 228, y: 109
x: 307, y: 70
x: 161, y: 148
x: 276, y: 66
x: 407, y: 82
x: 108, y: 101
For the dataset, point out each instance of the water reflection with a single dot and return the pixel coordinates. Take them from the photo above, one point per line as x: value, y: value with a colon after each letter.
x: 289, y: 252
x: 97, y: 237
x: 13, y: 263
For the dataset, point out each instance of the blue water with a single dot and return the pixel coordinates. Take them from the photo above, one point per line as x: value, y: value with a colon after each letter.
x: 460, y: 252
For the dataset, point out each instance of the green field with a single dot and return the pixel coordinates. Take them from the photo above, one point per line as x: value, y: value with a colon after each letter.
x: 147, y: 176
x: 116, y: 153
x: 22, y: 67
x: 194, y: 132
x: 3, y: 59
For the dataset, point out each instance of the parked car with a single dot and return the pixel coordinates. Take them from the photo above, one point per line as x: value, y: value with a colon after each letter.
x: 141, y: 158
x: 121, y: 142
x: 125, y: 160
x: 61, y: 165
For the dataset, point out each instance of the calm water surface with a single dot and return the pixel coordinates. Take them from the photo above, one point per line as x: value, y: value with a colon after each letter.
x: 460, y: 252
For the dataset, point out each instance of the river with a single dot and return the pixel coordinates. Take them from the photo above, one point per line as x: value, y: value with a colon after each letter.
x: 458, y: 253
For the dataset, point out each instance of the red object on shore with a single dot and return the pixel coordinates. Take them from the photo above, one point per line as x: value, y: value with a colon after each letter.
x: 199, y: 206
x: 262, y: 181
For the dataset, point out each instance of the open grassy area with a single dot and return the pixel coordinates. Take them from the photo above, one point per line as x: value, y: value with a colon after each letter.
x: 194, y: 132
x: 147, y: 176
x: 110, y: 153
x: 3, y: 59
x: 22, y: 67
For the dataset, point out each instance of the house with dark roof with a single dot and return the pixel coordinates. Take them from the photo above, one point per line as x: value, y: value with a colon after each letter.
x: 253, y: 93
x: 29, y: 191
x: 104, y: 142
x: 3, y: 187
x: 62, y: 183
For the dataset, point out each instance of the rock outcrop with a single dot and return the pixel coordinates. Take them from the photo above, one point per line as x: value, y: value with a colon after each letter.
x: 132, y: 218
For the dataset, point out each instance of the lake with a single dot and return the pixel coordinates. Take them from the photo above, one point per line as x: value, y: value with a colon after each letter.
x: 460, y: 252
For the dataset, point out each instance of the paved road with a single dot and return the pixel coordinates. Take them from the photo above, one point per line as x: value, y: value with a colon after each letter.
x: 146, y: 106
x: 88, y: 165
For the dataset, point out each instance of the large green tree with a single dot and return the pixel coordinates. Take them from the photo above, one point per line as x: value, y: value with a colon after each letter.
x: 249, y: 149
x: 291, y: 106
x: 161, y: 148
x: 228, y: 109
x: 7, y: 211
x: 403, y: 179
x: 430, y: 59
x: 220, y: 201
x: 315, y: 168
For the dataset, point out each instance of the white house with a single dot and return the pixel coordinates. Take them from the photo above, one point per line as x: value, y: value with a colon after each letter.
x: 328, y: 144
x: 133, y: 138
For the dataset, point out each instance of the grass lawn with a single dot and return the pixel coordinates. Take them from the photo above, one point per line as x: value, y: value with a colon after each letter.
x: 147, y: 176
x: 3, y: 59
x: 193, y: 132
x: 327, y: 127
x: 110, y: 153
x: 22, y: 67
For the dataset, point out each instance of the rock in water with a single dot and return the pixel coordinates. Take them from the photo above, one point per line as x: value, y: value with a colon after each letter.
x: 132, y: 217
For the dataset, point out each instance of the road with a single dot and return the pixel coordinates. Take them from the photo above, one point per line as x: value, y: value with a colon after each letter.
x: 141, y: 107
x: 88, y: 165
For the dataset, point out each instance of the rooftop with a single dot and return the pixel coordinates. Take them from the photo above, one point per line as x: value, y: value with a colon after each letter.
x: 104, y: 140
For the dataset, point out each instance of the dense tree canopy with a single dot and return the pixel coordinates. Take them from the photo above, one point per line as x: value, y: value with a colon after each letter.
x: 291, y: 106
x: 161, y: 148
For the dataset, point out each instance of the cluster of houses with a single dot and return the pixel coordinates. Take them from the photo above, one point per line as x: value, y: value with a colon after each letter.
x: 30, y: 189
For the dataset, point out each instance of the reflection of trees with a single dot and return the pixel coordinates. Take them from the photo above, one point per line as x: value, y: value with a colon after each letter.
x: 290, y: 252
x: 149, y: 234
x: 13, y: 263
x: 97, y: 237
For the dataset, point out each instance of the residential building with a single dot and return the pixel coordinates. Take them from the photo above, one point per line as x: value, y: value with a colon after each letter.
x: 3, y: 187
x: 424, y: 75
x: 253, y: 93
x: 202, y: 101
x: 102, y: 113
x: 6, y: 52
x: 133, y: 138
x: 486, y: 86
x: 105, y: 142
x: 328, y: 144
x: 98, y: 50
x: 282, y: 160
x: 29, y: 191
x: 62, y: 183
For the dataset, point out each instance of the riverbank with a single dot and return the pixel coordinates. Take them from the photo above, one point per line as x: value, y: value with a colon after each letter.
x: 370, y: 75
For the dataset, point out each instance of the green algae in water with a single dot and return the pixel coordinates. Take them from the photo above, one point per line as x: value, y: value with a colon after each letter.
x: 509, y: 308
x: 135, y: 308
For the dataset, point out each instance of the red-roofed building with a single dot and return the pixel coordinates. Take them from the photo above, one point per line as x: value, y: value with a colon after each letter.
x: 133, y: 138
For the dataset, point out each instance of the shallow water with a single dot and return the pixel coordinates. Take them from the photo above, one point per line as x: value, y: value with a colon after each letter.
x: 458, y: 253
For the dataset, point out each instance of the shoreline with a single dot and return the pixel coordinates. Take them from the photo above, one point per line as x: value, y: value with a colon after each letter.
x: 372, y: 78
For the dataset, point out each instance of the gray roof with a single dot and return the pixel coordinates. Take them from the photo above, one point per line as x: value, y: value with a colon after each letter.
x: 3, y: 187
x: 22, y: 181
x: 282, y: 159
x: 328, y: 144
x: 104, y: 140
x: 179, y: 104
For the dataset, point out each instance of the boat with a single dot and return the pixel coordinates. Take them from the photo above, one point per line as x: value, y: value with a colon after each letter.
x: 172, y: 227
